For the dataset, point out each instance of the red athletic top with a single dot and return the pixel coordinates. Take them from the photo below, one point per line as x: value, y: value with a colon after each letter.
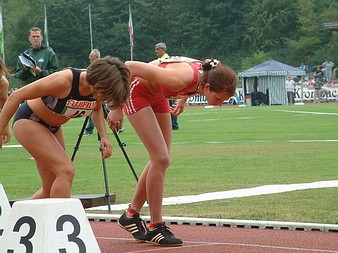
x: 140, y: 97
x: 196, y: 66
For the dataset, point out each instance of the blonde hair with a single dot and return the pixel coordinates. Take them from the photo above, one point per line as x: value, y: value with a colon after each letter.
x: 110, y: 78
x: 35, y: 29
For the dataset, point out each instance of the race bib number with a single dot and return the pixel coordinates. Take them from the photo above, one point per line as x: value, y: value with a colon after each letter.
x: 77, y: 109
x: 76, y: 113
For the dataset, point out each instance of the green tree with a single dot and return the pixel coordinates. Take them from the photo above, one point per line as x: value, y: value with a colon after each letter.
x: 304, y: 45
x: 238, y: 33
x: 267, y: 24
x: 253, y: 60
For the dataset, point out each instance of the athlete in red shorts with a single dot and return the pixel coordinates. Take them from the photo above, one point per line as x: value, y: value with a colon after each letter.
x: 148, y: 112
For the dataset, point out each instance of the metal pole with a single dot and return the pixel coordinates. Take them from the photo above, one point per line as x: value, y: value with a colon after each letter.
x: 301, y: 88
x: 90, y: 27
x: 76, y: 148
x: 121, y: 145
x: 105, y: 175
x: 3, y: 37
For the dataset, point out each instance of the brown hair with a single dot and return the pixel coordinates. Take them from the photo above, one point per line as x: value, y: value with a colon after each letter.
x: 110, y: 78
x: 221, y: 78
x: 4, y: 68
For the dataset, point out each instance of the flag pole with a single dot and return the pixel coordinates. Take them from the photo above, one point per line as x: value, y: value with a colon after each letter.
x: 131, y: 34
x: 90, y: 27
x: 2, y: 47
x: 46, y: 28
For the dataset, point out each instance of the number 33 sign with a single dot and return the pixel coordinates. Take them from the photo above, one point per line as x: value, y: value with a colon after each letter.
x: 48, y: 225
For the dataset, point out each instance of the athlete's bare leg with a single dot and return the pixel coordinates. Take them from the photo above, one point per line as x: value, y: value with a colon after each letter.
x: 154, y: 130
x: 55, y: 168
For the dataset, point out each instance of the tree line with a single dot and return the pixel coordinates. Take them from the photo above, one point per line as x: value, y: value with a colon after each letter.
x: 240, y: 33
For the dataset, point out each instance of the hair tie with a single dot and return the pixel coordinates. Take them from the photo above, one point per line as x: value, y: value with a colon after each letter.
x: 215, y: 63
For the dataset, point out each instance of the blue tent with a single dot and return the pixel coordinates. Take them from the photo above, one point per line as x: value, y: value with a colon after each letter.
x: 269, y: 78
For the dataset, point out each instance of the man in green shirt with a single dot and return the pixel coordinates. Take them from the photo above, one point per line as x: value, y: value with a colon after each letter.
x: 45, y: 58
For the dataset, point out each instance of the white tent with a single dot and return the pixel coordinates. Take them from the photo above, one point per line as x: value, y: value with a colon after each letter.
x: 269, y: 78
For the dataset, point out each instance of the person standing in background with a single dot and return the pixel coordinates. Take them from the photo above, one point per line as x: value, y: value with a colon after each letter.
x: 160, y: 51
x: 6, y: 136
x: 328, y: 65
x: 317, y: 89
x: 290, y: 86
x: 319, y: 73
x: 93, y: 56
x: 45, y: 58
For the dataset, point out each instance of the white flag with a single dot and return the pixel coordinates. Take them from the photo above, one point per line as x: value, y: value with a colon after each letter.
x: 46, y: 28
x: 2, y: 52
x: 131, y: 35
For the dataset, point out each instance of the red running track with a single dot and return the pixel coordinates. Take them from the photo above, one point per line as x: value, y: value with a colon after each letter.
x: 205, y: 239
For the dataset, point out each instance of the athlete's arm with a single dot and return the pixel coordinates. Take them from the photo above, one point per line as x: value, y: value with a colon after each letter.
x: 55, y: 84
x: 99, y: 123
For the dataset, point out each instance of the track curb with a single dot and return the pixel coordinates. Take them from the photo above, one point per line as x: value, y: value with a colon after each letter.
x: 256, y: 224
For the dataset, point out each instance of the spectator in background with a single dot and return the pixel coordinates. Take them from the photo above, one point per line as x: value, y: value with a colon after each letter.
x: 290, y: 87
x: 319, y: 74
x: 330, y: 82
x: 328, y: 65
x: 6, y: 135
x: 317, y: 88
x: 93, y: 56
x: 336, y: 72
x: 310, y: 82
x: 46, y: 60
x: 302, y: 66
x: 160, y: 51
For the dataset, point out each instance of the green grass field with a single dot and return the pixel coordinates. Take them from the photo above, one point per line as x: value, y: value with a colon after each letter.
x: 216, y: 149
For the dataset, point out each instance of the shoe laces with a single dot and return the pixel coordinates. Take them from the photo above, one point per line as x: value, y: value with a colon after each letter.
x: 165, y: 231
x: 141, y: 224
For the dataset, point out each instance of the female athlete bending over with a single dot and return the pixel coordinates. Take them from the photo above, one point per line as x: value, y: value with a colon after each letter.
x: 149, y: 113
x: 50, y: 103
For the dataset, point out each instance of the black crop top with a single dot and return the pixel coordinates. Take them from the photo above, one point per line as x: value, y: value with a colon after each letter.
x: 74, y: 105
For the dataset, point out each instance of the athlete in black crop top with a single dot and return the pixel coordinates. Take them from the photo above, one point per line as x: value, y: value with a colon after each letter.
x: 74, y: 105
x: 50, y: 103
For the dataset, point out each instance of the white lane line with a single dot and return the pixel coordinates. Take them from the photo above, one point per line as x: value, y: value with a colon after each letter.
x: 207, y: 142
x: 206, y: 244
x: 254, y: 191
x: 308, y: 112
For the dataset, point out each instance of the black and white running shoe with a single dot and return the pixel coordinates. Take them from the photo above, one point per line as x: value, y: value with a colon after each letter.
x: 136, y: 226
x: 162, y: 236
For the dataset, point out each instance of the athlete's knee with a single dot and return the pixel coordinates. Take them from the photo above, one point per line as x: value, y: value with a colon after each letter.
x: 67, y: 172
x: 163, y: 161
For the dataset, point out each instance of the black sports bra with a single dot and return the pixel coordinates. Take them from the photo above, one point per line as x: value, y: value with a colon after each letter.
x: 74, y: 105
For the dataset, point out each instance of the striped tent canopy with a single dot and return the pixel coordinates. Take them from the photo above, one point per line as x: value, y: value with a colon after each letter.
x: 272, y: 68
x: 269, y: 78
x: 333, y: 26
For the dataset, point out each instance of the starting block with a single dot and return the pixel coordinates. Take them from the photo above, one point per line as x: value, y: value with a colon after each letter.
x: 5, y: 210
x: 52, y: 225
